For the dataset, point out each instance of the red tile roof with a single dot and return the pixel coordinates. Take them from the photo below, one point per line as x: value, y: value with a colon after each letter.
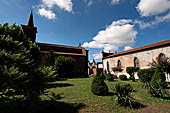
x: 62, y: 53
x: 54, y: 45
x: 151, y: 46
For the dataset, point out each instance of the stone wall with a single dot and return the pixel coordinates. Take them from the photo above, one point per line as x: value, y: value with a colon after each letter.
x: 145, y: 57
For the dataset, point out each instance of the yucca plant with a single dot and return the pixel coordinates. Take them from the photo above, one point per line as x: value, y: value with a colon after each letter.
x: 123, y: 95
x: 157, y: 89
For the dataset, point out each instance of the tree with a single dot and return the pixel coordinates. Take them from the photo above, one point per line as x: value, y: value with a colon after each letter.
x: 48, y: 59
x: 20, y: 75
x: 131, y: 71
x: 65, y: 66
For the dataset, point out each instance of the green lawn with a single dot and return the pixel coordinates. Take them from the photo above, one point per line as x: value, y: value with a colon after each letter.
x: 76, y: 97
x: 78, y: 91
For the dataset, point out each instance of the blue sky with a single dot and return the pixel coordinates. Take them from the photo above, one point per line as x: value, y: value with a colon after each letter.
x: 109, y: 25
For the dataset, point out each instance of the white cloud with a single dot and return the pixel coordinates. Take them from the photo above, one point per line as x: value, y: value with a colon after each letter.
x: 46, y: 8
x: 127, y: 48
x: 152, y: 7
x: 90, y: 3
x: 119, y: 33
x: 158, y: 19
x: 114, y: 2
x: 47, y: 13
x: 97, y: 56
x: 62, y: 4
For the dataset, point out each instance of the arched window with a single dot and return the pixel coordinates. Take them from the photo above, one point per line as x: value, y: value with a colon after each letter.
x: 136, y: 62
x: 119, y: 64
x: 162, y: 56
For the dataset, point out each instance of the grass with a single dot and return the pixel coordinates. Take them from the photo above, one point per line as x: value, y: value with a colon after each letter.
x: 76, y: 97
x: 79, y: 91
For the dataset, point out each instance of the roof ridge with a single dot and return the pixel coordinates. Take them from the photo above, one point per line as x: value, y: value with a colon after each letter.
x: 141, y: 48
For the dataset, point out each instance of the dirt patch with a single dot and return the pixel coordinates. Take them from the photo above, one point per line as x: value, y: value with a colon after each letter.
x: 163, y: 108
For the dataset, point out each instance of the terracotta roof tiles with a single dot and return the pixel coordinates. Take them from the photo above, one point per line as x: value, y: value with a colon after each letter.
x: 151, y: 46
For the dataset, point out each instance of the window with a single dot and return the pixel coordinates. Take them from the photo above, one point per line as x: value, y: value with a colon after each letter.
x: 136, y: 62
x: 162, y: 56
x: 119, y: 64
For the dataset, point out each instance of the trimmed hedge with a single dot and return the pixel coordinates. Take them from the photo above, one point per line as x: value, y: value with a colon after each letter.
x: 145, y: 75
x: 98, y: 86
x: 122, y: 77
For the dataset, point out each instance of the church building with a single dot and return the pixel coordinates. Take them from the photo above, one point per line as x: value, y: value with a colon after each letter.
x: 138, y: 57
x: 79, y: 53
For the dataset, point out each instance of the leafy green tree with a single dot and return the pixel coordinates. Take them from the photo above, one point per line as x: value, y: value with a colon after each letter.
x: 131, y: 71
x: 20, y: 75
x: 65, y: 66
x: 48, y: 59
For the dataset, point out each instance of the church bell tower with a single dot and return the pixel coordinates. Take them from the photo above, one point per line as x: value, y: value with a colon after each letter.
x: 29, y: 29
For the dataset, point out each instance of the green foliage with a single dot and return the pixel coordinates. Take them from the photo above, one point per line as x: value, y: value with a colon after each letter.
x: 50, y: 72
x: 65, y: 66
x: 48, y: 59
x: 20, y: 75
x: 102, y: 76
x: 157, y: 89
x: 131, y: 71
x: 109, y: 77
x: 122, y: 77
x: 158, y: 75
x: 123, y: 95
x: 115, y: 77
x: 116, y: 70
x: 145, y: 76
x: 98, y: 86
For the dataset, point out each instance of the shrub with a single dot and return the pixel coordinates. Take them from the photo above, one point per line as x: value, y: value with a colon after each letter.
x: 109, y: 77
x: 102, y: 76
x: 157, y: 89
x: 98, y: 86
x: 158, y: 75
x: 117, y: 69
x: 115, y: 77
x: 145, y: 76
x: 122, y: 77
x: 65, y: 66
x: 131, y: 71
x: 123, y: 95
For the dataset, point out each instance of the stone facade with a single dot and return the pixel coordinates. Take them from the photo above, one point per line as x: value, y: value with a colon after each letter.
x: 79, y: 53
x: 144, y: 56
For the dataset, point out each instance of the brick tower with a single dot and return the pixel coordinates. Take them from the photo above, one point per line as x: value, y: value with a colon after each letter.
x: 29, y: 29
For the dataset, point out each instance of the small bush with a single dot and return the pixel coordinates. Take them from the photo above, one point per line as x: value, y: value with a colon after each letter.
x: 158, y: 75
x: 98, y: 86
x: 102, y: 76
x: 122, y: 77
x: 109, y: 77
x: 145, y: 76
x: 123, y: 95
x: 157, y: 89
x: 115, y: 77
x: 131, y: 71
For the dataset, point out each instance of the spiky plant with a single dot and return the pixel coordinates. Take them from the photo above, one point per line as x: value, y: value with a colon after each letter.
x: 123, y: 95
